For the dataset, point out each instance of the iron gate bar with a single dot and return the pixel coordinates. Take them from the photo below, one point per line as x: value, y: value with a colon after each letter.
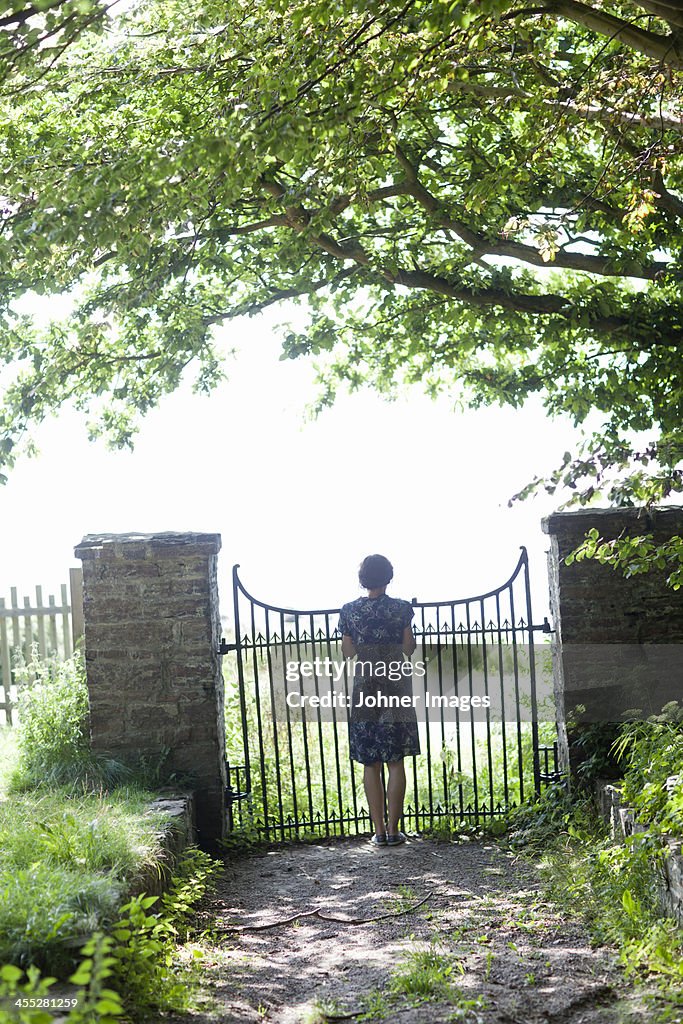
x: 515, y: 662
x: 289, y: 723
x: 240, y: 678
x: 532, y: 674
x: 255, y: 652
x: 461, y: 795
x: 276, y: 743
x: 489, y: 755
x: 502, y: 701
x: 334, y: 732
x: 444, y: 772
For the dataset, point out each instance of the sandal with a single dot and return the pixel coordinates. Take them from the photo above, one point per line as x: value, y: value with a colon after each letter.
x: 379, y: 840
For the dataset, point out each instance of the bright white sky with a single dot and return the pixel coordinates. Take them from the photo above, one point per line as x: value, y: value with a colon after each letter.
x: 298, y: 503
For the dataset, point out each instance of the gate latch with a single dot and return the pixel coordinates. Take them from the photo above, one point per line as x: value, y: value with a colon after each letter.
x: 232, y: 796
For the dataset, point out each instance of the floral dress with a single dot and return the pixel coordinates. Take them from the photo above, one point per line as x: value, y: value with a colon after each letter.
x: 379, y: 733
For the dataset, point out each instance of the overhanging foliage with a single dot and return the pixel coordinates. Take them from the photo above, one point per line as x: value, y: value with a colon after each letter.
x: 480, y: 197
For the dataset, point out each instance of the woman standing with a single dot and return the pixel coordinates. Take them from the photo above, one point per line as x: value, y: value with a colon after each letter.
x: 377, y: 629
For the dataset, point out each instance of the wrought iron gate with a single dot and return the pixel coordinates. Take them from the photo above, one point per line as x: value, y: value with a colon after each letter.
x: 289, y: 769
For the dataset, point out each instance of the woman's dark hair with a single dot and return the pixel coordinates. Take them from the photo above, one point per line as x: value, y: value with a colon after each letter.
x: 375, y: 571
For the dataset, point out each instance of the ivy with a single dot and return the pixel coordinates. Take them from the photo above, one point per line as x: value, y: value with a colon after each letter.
x: 634, y: 555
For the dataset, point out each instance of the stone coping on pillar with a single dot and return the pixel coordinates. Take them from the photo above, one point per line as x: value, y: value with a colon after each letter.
x: 614, y: 520
x: 145, y: 545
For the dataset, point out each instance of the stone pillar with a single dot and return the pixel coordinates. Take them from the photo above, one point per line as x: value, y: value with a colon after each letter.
x: 606, y: 624
x: 152, y: 632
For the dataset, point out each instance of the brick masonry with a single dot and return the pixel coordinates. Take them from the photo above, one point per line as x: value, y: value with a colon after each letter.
x: 606, y: 625
x: 152, y: 632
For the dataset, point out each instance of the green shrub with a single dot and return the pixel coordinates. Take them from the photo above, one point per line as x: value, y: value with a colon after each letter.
x: 614, y: 883
x: 131, y: 968
x: 46, y: 909
x: 66, y: 861
x: 652, y: 752
x: 540, y: 822
x: 53, y: 736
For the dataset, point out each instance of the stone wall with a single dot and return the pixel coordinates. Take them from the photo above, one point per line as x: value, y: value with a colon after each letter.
x: 668, y: 870
x: 592, y: 603
x: 617, y: 639
x: 152, y: 632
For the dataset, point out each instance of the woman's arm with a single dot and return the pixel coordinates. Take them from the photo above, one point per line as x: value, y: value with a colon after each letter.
x: 409, y: 644
x: 348, y: 650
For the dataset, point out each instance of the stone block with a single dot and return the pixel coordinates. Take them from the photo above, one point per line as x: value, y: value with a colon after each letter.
x: 152, y: 625
x: 593, y: 604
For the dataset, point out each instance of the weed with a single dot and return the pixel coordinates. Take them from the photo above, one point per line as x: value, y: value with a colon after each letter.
x: 425, y: 975
x: 132, y: 967
x: 375, y: 1006
x: 66, y: 863
x: 534, y: 824
x: 97, y: 1003
x: 322, y: 1011
x: 52, y: 736
x: 244, y: 839
x: 466, y: 1007
x: 401, y: 900
x: 16, y: 986
x: 614, y: 883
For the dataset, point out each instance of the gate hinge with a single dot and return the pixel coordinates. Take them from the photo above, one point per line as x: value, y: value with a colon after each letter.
x: 225, y: 647
x: 545, y: 626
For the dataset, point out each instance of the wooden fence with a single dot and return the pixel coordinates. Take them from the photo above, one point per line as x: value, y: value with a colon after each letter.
x: 52, y: 629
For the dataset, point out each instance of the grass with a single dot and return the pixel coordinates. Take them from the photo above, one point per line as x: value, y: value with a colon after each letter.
x: 426, y: 974
x: 423, y: 976
x: 67, y: 862
x: 401, y: 900
x: 608, y: 884
x: 78, y: 837
x: 71, y: 848
x: 8, y: 757
x: 52, y: 738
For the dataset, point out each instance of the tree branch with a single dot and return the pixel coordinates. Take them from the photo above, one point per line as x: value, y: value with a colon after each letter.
x: 20, y: 17
x: 546, y: 304
x: 669, y: 12
x: 279, y: 295
x: 667, y: 49
x: 668, y: 200
x: 588, y: 113
x: 515, y: 250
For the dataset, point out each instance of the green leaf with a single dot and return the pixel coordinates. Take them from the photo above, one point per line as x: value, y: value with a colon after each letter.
x: 10, y: 973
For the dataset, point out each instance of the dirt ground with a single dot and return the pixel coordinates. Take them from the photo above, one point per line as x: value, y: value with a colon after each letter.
x: 512, y: 957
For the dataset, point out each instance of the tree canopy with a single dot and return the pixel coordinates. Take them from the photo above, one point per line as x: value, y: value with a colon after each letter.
x: 34, y: 35
x: 478, y: 197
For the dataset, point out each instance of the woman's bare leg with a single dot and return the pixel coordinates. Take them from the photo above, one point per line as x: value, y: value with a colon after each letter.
x: 374, y: 791
x: 396, y: 791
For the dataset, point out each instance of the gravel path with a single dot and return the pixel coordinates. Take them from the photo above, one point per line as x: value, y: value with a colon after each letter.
x: 485, y: 946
